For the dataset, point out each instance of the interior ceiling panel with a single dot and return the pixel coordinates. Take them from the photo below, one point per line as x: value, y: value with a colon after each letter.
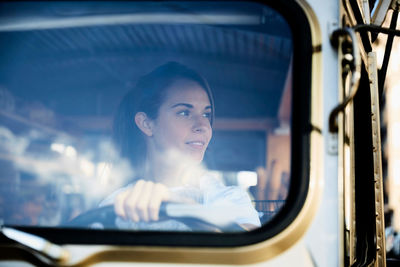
x: 230, y: 44
x: 98, y: 60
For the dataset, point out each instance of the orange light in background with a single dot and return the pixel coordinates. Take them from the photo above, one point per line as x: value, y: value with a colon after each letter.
x: 393, y: 144
x: 392, y: 118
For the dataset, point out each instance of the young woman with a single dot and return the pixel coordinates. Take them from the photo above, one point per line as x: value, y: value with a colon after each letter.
x: 163, y: 127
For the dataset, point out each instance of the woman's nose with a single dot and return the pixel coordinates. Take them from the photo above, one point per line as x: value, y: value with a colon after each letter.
x: 201, y: 124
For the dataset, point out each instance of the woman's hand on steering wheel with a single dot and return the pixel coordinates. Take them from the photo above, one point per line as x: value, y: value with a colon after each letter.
x: 142, y: 201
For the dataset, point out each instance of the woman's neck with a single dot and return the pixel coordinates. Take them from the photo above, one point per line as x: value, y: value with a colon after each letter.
x: 172, y: 170
x: 161, y: 169
x: 161, y: 172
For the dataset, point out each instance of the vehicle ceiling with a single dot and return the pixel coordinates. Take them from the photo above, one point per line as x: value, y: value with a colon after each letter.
x: 86, y: 69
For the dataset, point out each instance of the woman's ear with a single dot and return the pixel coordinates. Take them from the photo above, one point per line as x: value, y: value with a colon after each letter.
x: 144, y: 123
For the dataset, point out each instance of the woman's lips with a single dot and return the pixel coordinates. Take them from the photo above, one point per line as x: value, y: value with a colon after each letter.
x: 196, y: 144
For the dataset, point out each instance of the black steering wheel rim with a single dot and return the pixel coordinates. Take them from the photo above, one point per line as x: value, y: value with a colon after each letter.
x: 105, y: 218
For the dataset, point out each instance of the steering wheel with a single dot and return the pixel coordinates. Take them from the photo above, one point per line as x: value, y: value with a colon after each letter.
x: 105, y: 218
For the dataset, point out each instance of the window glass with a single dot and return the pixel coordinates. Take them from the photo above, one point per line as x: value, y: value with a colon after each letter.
x: 123, y: 105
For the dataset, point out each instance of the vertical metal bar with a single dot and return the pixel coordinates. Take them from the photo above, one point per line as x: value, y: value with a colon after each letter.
x: 377, y: 154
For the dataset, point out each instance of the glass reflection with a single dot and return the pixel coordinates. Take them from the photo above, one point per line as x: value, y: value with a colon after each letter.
x: 225, y: 125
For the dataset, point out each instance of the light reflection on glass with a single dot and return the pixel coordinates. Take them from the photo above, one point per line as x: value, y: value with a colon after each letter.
x: 55, y: 133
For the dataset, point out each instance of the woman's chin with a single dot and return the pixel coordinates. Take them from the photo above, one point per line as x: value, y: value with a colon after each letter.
x: 192, y: 158
x: 185, y: 157
x: 196, y: 157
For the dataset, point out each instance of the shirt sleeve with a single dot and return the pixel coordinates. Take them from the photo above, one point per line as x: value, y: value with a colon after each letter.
x: 233, y: 197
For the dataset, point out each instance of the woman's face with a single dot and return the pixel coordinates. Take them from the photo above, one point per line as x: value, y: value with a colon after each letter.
x: 183, y: 122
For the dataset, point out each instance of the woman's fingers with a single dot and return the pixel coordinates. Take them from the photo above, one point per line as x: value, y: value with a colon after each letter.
x: 141, y: 202
x: 119, y: 204
x: 144, y: 200
x: 160, y: 194
x: 125, y: 202
x: 131, y: 201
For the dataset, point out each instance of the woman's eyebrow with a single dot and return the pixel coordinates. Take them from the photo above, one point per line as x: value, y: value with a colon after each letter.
x: 182, y: 104
x: 188, y: 105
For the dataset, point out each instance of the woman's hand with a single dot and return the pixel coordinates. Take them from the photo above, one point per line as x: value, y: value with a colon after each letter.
x: 142, y: 201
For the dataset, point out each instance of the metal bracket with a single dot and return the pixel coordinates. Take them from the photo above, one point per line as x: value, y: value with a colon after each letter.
x: 376, y: 29
x: 351, y: 64
x: 395, y: 5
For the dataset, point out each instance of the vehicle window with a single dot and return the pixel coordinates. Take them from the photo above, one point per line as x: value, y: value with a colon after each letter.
x: 137, y: 107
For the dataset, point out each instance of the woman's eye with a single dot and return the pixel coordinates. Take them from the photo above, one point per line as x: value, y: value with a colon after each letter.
x: 207, y: 115
x: 184, y: 113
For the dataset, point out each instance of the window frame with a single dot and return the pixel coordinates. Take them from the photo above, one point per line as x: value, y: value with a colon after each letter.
x: 305, y: 127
